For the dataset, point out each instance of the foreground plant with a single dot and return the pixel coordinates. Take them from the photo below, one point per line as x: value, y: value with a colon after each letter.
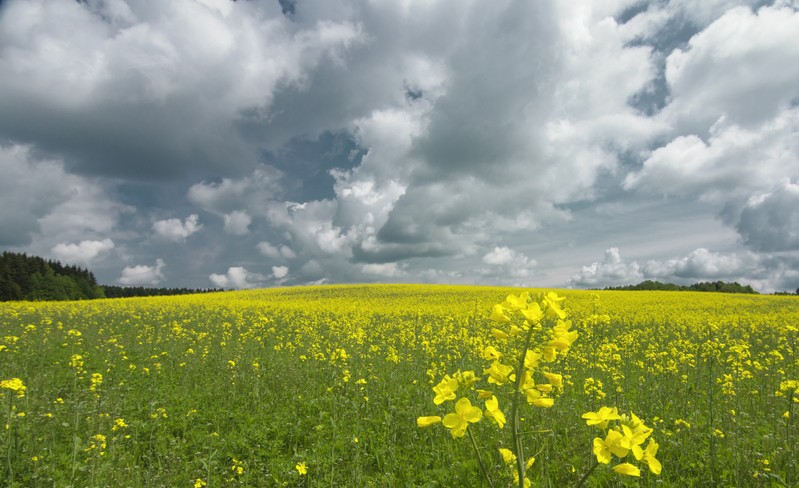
x: 623, y: 435
x: 530, y: 336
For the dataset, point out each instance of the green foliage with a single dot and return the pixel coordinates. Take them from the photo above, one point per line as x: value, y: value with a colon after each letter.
x: 714, y: 286
x: 24, y: 277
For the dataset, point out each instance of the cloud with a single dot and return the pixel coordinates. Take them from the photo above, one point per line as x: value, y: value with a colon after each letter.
x: 251, y: 192
x: 765, y: 272
x: 733, y: 123
x: 237, y: 223
x: 142, y: 274
x: 79, y: 74
x: 177, y: 231
x: 740, y: 67
x: 770, y: 221
x: 47, y: 204
x: 274, y: 252
x: 280, y: 271
x: 83, y: 252
x: 237, y: 277
x: 382, y: 269
x: 612, y: 271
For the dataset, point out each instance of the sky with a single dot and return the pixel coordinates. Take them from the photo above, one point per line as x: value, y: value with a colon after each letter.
x: 534, y: 143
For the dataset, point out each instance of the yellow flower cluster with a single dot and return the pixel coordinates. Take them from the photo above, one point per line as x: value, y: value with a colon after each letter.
x: 624, y: 434
x: 14, y: 384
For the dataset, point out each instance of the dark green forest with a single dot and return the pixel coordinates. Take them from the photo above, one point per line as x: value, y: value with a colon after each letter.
x: 714, y: 286
x: 24, y: 277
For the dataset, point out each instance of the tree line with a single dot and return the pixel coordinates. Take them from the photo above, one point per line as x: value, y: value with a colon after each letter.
x: 24, y: 277
x: 714, y: 286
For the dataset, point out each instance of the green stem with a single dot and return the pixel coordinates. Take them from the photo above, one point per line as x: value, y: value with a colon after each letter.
x: 587, y: 473
x: 480, y: 459
x: 8, y: 437
x: 515, y: 423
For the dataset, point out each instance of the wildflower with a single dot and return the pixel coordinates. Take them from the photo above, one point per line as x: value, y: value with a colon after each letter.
x: 427, y: 421
x: 553, y: 305
x: 465, y: 379
x: 507, y: 455
x: 554, y: 379
x: 464, y: 414
x: 493, y: 411
x: 532, y: 314
x: 301, y: 468
x: 648, y: 456
x: 535, y: 398
x: 531, y: 359
x: 498, y: 314
x: 499, y: 334
x: 16, y: 385
x: 498, y: 373
x: 601, y: 417
x: 513, y: 302
x: 490, y: 353
x: 627, y: 469
x: 238, y: 467
x: 614, y: 444
x: 119, y: 424
x: 96, y: 381
x: 199, y: 483
x: 445, y: 390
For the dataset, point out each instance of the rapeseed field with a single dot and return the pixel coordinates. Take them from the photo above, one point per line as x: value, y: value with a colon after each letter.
x: 401, y: 385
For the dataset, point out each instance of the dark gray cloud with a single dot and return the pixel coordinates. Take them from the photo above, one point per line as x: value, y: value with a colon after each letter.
x: 770, y: 222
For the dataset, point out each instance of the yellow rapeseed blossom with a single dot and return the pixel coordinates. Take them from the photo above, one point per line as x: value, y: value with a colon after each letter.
x: 464, y: 414
x: 14, y: 384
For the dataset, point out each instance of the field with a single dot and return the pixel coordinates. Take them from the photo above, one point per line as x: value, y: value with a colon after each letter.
x: 324, y: 386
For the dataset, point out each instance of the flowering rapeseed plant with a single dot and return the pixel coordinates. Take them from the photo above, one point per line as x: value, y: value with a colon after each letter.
x: 519, y: 361
x: 623, y: 435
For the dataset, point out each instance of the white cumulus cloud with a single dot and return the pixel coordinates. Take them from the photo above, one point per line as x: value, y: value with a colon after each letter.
x: 237, y: 223
x: 237, y: 277
x: 176, y: 230
x: 82, y: 252
x: 143, y: 274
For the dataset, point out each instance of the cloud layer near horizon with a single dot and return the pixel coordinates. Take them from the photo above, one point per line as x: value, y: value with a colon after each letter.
x: 217, y: 143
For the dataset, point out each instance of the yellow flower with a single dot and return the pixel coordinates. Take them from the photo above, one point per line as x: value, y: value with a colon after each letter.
x: 533, y: 314
x: 614, y: 444
x: 507, y: 455
x: 536, y: 399
x: 499, y: 334
x: 498, y: 373
x: 554, y: 379
x: 490, y: 353
x: 648, y: 456
x: 16, y: 385
x: 119, y: 424
x: 199, y: 483
x: 445, y: 390
x: 513, y: 302
x: 498, y: 314
x: 553, y: 304
x: 301, y: 468
x: 493, y: 411
x: 531, y: 359
x: 427, y: 421
x: 464, y: 414
x: 465, y: 379
x: 601, y: 417
x: 627, y: 469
